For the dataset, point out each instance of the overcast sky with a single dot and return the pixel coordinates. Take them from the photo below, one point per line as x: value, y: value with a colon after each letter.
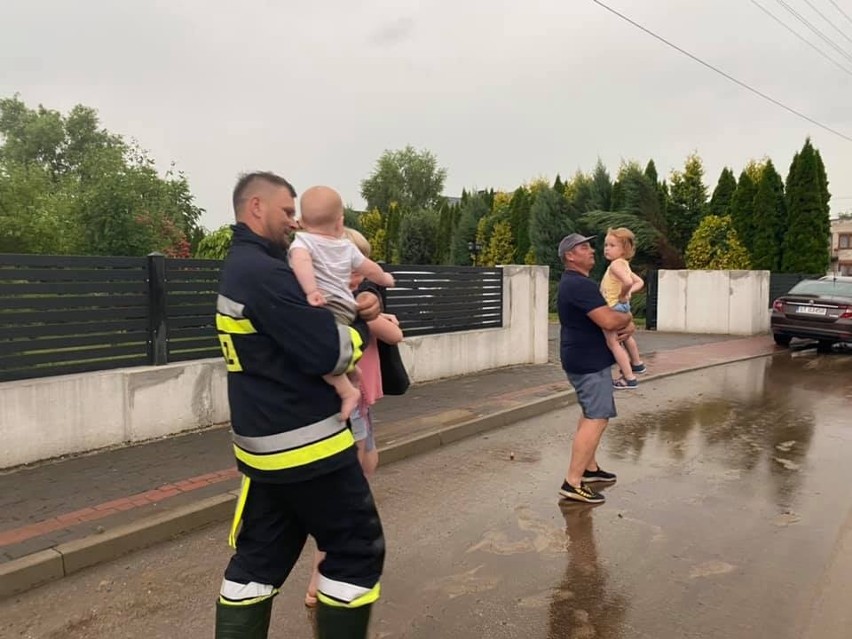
x: 501, y: 91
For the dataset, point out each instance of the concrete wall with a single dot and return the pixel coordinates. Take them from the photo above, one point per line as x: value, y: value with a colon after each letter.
x: 521, y: 340
x: 719, y: 302
x: 50, y: 417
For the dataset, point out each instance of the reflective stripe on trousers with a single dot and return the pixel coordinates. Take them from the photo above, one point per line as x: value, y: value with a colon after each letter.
x: 342, y: 594
x: 233, y: 593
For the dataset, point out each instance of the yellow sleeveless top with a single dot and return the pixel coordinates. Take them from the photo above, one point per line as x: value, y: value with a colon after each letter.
x: 611, y: 285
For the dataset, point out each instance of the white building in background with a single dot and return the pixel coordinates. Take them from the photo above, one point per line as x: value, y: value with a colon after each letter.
x: 841, y: 247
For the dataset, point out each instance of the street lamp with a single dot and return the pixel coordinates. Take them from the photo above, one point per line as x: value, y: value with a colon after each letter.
x: 474, y: 249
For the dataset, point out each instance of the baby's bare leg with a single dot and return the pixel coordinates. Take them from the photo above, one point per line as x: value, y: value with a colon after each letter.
x: 633, y: 350
x: 348, y: 393
x: 621, y: 356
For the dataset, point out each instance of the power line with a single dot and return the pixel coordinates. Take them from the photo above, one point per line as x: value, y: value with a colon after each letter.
x: 823, y: 16
x: 722, y: 73
x: 842, y: 12
x: 815, y: 30
x: 801, y: 37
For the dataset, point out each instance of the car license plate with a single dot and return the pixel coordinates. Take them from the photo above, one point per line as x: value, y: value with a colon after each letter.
x: 811, y: 310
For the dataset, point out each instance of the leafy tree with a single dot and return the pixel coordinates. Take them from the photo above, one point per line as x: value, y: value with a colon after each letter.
x: 501, y: 249
x: 806, y: 246
x: 69, y: 186
x: 641, y: 208
x: 373, y: 228
x: 472, y: 210
x: 550, y: 221
x: 715, y: 246
x: 412, y: 179
x: 418, y: 238
x: 447, y: 218
x: 501, y: 202
x: 826, y: 195
x: 558, y: 186
x: 651, y: 172
x: 519, y: 221
x: 688, y: 201
x: 723, y: 194
x: 579, y: 192
x: 536, y: 186
x: 352, y: 218
x: 215, y: 246
x: 601, y: 195
x: 741, y: 209
x: 393, y: 222
x: 769, y: 221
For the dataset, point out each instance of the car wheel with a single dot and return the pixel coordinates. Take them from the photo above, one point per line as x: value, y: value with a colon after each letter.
x: 824, y: 345
x: 781, y: 339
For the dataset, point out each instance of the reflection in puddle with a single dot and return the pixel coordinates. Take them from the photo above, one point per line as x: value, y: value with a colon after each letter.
x: 756, y: 419
x: 584, y: 604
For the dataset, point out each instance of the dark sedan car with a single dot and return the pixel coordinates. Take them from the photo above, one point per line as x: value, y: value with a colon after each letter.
x: 815, y: 309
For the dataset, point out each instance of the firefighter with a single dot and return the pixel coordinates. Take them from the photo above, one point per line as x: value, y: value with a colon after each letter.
x: 300, y: 469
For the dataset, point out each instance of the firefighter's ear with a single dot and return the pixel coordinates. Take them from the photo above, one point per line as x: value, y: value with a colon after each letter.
x: 255, y: 207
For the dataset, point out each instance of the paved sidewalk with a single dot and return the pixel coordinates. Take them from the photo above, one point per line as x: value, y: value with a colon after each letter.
x: 53, y: 503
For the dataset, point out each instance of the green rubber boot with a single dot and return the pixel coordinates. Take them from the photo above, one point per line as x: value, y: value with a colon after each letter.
x: 342, y: 623
x: 243, y: 622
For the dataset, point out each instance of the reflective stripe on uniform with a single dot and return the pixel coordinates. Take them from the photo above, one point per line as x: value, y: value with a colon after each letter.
x: 229, y: 307
x: 234, y: 326
x: 345, y: 352
x: 233, y: 593
x: 340, y: 593
x: 298, y: 456
x: 291, y: 439
x: 357, y: 348
x: 238, y: 511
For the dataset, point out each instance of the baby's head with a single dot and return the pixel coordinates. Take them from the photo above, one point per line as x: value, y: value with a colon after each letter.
x: 321, y: 210
x: 619, y: 243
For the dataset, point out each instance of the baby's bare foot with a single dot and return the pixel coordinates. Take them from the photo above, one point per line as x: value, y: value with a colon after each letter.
x: 349, y: 400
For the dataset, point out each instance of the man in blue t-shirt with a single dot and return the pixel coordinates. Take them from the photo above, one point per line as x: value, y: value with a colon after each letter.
x: 586, y: 359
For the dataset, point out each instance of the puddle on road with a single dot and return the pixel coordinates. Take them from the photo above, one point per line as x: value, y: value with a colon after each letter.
x: 669, y: 550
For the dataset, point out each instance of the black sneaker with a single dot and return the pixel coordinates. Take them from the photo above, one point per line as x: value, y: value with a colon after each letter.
x: 639, y: 369
x: 581, y: 493
x: 599, y: 475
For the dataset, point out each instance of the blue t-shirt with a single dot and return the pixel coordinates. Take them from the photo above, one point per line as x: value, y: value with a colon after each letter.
x: 582, y: 343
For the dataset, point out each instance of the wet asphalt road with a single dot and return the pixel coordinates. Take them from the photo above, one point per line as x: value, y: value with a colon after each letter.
x: 732, y: 517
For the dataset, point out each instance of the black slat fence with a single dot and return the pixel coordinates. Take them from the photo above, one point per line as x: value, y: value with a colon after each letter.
x: 191, y: 287
x: 62, y: 315
x: 446, y: 299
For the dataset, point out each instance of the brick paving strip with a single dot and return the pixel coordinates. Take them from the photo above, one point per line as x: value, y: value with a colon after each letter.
x: 29, y: 554
x: 101, y: 511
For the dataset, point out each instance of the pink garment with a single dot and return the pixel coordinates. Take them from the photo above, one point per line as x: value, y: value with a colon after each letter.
x: 371, y: 374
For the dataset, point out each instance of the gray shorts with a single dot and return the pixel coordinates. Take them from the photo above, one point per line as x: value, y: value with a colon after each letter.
x: 362, y: 427
x: 594, y: 393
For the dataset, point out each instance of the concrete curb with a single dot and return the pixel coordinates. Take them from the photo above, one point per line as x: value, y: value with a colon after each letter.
x: 22, y: 574
x: 60, y: 561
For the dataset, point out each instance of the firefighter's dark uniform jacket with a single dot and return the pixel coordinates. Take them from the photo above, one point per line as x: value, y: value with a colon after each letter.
x: 277, y: 347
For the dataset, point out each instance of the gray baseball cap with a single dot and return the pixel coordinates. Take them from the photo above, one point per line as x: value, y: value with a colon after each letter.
x: 570, y: 241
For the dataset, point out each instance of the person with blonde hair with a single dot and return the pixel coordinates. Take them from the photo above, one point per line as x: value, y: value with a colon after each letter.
x: 618, y: 285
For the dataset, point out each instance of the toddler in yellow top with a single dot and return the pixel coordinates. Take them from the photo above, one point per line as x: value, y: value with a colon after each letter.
x: 618, y: 284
